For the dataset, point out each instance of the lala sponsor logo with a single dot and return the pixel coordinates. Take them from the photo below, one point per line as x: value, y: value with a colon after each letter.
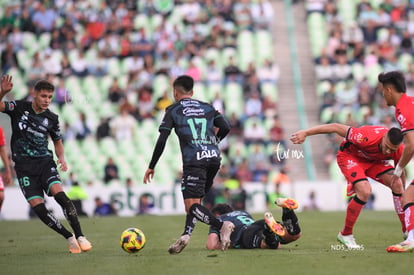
x: 206, y: 154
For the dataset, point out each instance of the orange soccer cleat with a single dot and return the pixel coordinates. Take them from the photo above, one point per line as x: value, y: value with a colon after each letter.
x: 288, y: 203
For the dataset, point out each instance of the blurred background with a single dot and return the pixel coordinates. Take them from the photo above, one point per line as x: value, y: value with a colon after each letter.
x: 271, y: 67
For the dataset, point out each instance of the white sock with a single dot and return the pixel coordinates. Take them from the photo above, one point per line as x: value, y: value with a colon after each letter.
x: 410, y: 237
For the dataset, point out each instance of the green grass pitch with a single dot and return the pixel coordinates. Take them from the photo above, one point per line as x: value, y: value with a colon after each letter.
x: 29, y: 247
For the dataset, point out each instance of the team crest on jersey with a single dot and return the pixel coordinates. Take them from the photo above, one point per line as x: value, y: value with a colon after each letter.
x: 45, y: 122
x: 12, y: 105
x: 23, y: 120
x: 351, y: 164
x: 360, y: 138
x: 401, y: 119
x: 378, y: 130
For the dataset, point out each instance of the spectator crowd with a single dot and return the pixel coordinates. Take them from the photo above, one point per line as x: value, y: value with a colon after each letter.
x: 112, y: 63
x: 361, y: 39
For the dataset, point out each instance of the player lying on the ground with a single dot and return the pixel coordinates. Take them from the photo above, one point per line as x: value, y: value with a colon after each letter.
x: 264, y: 233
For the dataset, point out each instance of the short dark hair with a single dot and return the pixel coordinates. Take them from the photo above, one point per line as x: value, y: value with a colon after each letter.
x: 43, y: 85
x: 184, y: 84
x: 395, y: 136
x: 221, y: 209
x: 395, y: 78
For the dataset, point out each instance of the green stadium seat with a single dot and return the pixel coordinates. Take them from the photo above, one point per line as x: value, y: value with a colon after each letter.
x: 270, y: 89
x: 343, y: 114
x: 263, y: 46
x: 322, y: 87
x: 160, y: 85
x: 154, y: 21
x: 317, y: 32
x: 200, y: 92
x: 358, y: 71
x: 347, y: 11
x: 335, y: 172
x: 114, y: 67
x: 226, y: 53
x: 24, y: 59
x: 141, y: 20
x: 383, y: 34
x: 44, y: 40
x: 213, y: 54
x: 30, y: 43
x: 360, y: 114
x: 372, y: 73
x: 233, y: 98
x: 248, y: 49
x: 327, y: 115
x: 69, y: 114
x: 410, y: 170
x: 405, y: 61
x: 214, y: 88
x: 108, y: 147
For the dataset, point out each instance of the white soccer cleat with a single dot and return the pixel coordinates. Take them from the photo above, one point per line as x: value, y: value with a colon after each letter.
x: 179, y: 244
x: 74, y: 247
x: 84, y: 244
x: 405, y: 246
x: 348, y: 241
x: 225, y: 233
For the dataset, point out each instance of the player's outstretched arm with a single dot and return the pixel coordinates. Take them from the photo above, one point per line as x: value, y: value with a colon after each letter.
x: 6, y: 85
x: 300, y: 136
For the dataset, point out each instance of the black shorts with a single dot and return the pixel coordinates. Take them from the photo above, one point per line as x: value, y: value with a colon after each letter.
x: 36, y: 177
x: 253, y: 235
x: 198, y: 179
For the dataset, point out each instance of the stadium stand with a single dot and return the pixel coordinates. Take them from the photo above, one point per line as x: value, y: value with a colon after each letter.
x: 375, y: 33
x: 112, y: 32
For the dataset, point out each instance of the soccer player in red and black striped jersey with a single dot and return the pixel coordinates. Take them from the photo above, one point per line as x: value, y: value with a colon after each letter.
x: 364, y: 153
x: 394, y: 92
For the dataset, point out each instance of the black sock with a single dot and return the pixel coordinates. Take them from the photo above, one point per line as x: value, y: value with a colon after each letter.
x: 204, y: 215
x: 69, y: 211
x: 270, y: 238
x: 50, y: 220
x: 290, y: 221
x: 190, y: 222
